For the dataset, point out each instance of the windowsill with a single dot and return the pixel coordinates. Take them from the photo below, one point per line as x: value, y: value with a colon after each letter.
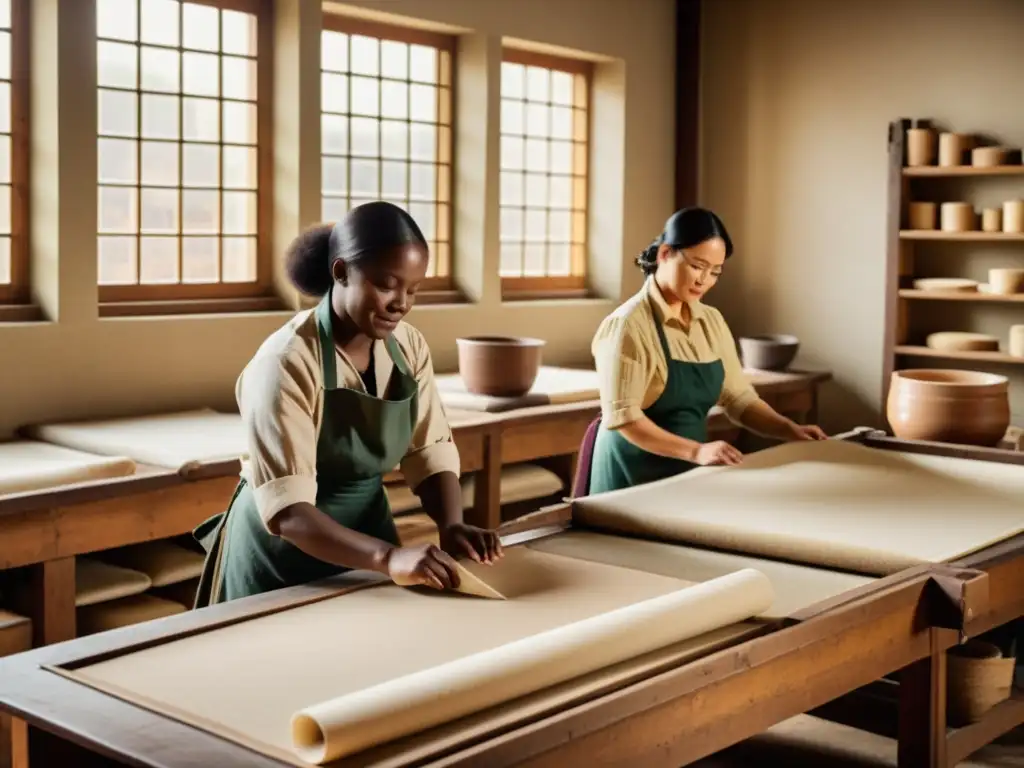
x: 21, y: 314
x: 264, y: 305
x: 572, y: 298
x: 435, y: 298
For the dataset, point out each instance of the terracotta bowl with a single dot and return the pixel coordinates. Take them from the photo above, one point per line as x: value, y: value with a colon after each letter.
x: 500, y: 366
x: 768, y: 352
x: 949, y: 406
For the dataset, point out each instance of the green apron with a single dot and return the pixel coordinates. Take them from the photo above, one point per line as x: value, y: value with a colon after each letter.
x: 362, y: 437
x: 691, y: 390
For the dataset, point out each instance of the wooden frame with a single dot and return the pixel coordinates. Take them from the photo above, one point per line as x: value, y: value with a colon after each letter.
x: 440, y: 279
x: 674, y: 717
x: 177, y: 297
x: 688, y: 14
x: 19, y: 290
x: 573, y: 284
x: 912, y: 707
x: 902, y: 243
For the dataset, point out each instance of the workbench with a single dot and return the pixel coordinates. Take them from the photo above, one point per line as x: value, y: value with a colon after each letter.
x: 829, y: 632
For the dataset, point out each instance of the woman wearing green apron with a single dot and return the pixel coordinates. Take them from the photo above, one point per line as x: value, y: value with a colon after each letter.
x: 664, y: 359
x: 332, y: 401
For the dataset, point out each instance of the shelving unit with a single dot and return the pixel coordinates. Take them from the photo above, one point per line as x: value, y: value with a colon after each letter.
x: 907, y: 259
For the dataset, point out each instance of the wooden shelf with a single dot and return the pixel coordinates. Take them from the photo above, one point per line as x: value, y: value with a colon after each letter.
x: 988, y: 357
x: 1002, y: 718
x: 964, y: 170
x: 913, y: 293
x: 937, y: 234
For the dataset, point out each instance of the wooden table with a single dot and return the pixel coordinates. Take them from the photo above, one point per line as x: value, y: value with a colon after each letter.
x: 47, y: 530
x: 903, y: 624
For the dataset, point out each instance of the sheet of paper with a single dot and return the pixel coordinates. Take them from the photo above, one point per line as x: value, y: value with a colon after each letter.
x: 830, y: 503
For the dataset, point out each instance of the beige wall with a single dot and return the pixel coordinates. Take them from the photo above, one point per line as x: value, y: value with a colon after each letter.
x: 797, y: 95
x: 78, y: 365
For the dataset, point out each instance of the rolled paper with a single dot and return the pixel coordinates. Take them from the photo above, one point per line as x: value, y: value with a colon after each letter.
x: 953, y: 148
x: 991, y: 220
x: 922, y: 215
x: 413, y: 703
x: 922, y: 144
x: 1006, y: 280
x: 1013, y: 216
x: 1017, y: 340
x: 958, y: 217
x: 988, y: 157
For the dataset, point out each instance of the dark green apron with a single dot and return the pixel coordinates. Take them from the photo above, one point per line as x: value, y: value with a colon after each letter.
x: 691, y: 390
x: 362, y: 437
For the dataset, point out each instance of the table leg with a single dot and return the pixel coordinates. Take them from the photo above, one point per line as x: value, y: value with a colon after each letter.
x: 52, y: 601
x: 13, y: 742
x: 922, y: 710
x: 486, y: 510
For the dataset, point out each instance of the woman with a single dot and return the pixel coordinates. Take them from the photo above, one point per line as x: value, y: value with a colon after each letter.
x: 664, y: 359
x: 331, y: 402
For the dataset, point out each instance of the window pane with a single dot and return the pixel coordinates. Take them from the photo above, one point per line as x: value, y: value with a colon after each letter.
x: 544, y: 133
x: 382, y: 130
x: 177, y: 153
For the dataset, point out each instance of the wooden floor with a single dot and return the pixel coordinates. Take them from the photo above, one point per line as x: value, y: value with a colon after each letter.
x: 809, y: 742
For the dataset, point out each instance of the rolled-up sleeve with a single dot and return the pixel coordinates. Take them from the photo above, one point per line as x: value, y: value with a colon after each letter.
x: 737, y: 390
x: 432, y: 449
x: 277, y: 400
x: 623, y: 370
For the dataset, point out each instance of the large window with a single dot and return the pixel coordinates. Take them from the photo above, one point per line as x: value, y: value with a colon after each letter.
x: 544, y: 154
x: 14, y: 285
x: 180, y: 156
x: 386, y: 131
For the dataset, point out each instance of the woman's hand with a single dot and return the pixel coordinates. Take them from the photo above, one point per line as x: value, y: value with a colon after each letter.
x: 718, y: 452
x: 481, y: 545
x: 423, y: 564
x: 807, y: 432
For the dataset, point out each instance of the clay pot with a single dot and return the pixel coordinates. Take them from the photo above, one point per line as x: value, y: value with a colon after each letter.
x: 768, y: 352
x: 978, y: 677
x: 949, y: 406
x: 500, y: 366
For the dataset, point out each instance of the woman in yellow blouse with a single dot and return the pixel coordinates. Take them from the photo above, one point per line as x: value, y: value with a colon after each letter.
x: 333, y: 400
x: 664, y: 359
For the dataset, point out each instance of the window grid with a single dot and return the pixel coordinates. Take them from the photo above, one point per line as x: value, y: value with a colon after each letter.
x: 544, y: 153
x: 14, y: 150
x: 179, y: 123
x: 386, y: 127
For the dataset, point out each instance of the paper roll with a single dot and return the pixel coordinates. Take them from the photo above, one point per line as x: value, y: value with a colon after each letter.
x: 958, y: 217
x: 406, y: 705
x: 988, y: 157
x: 991, y: 220
x: 1006, y: 281
x: 922, y: 215
x: 1017, y: 340
x: 953, y: 148
x: 921, y: 146
x: 1013, y: 216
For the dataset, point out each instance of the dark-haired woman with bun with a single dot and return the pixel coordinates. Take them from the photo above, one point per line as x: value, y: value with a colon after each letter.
x: 333, y: 400
x: 664, y: 359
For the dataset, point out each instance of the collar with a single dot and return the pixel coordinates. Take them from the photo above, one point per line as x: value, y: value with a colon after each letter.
x: 667, y: 313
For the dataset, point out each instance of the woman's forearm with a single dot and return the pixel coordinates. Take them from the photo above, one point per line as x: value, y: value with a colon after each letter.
x: 319, y: 536
x: 645, y: 434
x: 762, y: 419
x: 441, y: 496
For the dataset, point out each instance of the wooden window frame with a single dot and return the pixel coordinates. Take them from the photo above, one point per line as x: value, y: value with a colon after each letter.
x: 573, y: 285
x: 14, y: 296
x: 188, y: 298
x: 438, y: 288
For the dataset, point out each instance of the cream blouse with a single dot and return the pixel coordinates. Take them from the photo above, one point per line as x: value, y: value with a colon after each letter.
x: 631, y: 366
x: 280, y: 397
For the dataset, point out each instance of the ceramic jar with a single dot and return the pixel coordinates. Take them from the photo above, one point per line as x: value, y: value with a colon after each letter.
x: 949, y: 406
